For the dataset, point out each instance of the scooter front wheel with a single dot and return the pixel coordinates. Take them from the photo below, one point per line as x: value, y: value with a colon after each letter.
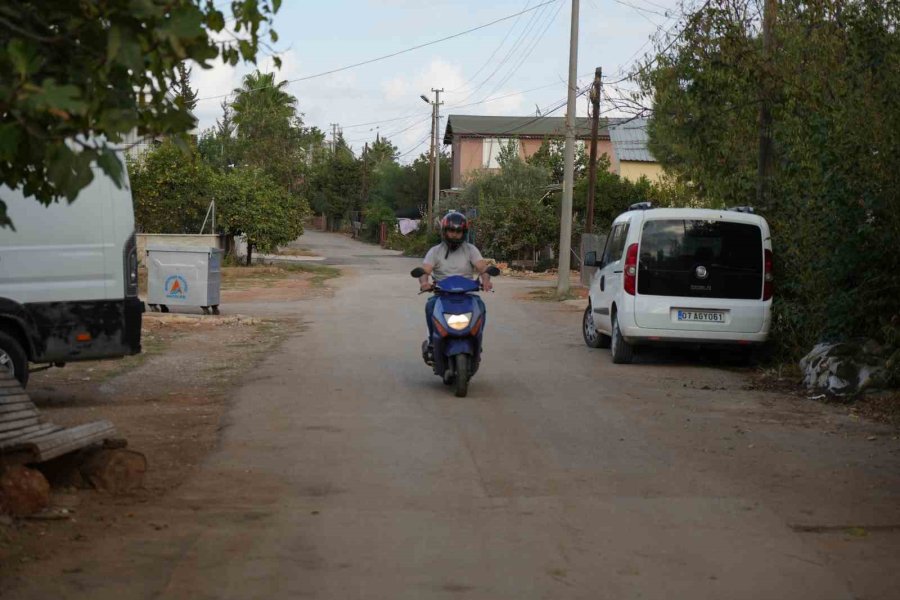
x: 462, y: 375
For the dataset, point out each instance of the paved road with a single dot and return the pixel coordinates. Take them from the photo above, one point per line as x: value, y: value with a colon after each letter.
x: 348, y: 471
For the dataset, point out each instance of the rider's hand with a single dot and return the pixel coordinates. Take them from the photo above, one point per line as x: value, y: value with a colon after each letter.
x: 425, y: 287
x: 487, y: 285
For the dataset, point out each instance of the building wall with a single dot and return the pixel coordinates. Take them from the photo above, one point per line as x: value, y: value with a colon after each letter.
x: 633, y: 170
x: 468, y: 156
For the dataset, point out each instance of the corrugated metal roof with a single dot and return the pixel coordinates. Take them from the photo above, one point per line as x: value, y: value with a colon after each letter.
x: 629, y: 140
x: 492, y: 126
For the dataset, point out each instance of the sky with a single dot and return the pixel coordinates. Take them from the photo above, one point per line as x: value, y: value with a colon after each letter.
x: 517, y: 65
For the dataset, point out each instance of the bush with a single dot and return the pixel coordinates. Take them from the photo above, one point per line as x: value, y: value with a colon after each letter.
x: 415, y: 244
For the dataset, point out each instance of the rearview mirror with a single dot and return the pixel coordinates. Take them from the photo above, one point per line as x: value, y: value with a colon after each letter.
x: 590, y: 259
x: 417, y: 272
x: 493, y: 271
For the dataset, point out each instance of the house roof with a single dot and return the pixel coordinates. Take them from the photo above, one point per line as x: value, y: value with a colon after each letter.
x: 629, y: 140
x: 517, y: 127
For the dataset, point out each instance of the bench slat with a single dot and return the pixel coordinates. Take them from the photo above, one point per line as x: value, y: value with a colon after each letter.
x: 11, y: 438
x: 15, y: 406
x: 15, y: 415
x: 18, y: 424
x: 21, y: 428
x: 72, y: 438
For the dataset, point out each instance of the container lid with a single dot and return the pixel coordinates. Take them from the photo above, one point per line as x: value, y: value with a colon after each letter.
x: 192, y: 249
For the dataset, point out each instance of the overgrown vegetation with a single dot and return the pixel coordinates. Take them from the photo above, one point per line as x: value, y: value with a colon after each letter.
x: 76, y: 78
x: 833, y: 84
x: 518, y: 206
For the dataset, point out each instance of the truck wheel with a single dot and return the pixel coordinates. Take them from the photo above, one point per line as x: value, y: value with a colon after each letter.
x: 592, y: 337
x: 462, y: 375
x: 13, y: 359
x: 622, y: 351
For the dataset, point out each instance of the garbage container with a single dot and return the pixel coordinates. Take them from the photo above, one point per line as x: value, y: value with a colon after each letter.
x: 184, y: 276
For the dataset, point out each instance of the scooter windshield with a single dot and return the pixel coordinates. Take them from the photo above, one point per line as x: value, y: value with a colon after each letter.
x: 457, y: 284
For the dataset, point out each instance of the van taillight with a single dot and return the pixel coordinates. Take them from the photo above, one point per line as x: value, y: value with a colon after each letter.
x: 131, y: 266
x: 769, y: 286
x: 631, y: 269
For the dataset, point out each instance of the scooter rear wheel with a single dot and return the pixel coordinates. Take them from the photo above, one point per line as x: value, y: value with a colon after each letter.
x: 462, y: 375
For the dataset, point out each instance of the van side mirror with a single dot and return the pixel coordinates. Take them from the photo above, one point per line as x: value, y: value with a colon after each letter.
x: 590, y: 259
x: 417, y: 272
x: 493, y: 271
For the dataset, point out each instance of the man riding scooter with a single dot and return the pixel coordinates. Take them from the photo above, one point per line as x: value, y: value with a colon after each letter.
x: 453, y: 256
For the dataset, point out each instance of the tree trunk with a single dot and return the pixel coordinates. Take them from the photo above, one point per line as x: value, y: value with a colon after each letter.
x: 23, y: 491
x: 115, y: 471
x: 249, y: 253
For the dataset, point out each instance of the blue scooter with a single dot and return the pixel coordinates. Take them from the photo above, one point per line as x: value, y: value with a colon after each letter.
x: 458, y: 329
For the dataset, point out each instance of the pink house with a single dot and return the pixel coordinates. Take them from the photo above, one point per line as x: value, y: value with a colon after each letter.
x: 475, y: 140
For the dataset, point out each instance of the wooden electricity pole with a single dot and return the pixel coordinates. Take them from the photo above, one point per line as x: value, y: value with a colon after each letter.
x: 592, y: 168
x: 764, y: 174
x: 431, y: 174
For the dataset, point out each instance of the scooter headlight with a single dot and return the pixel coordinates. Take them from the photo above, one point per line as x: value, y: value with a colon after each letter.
x: 458, y: 322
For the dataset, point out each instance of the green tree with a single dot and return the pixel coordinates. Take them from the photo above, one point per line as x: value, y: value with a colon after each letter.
x: 171, y: 190
x: 76, y: 77
x: 185, y: 94
x: 382, y: 150
x: 250, y: 203
x: 515, y: 219
x: 334, y: 183
x: 268, y: 128
x: 217, y: 145
x: 551, y: 156
x: 834, y: 88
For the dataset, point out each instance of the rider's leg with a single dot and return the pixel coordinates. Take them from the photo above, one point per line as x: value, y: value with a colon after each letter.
x: 429, y: 311
x: 427, y: 347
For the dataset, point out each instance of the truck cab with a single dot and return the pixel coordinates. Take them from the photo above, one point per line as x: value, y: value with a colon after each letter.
x: 68, y: 278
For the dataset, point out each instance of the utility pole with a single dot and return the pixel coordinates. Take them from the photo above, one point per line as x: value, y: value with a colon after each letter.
x: 365, y: 182
x: 592, y: 168
x: 765, y: 115
x: 364, y: 191
x: 333, y: 137
x: 429, y: 195
x: 565, y: 228
x: 437, y: 148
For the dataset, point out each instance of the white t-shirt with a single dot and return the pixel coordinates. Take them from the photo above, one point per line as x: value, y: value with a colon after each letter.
x: 459, y: 262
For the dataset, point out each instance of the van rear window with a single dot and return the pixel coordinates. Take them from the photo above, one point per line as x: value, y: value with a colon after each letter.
x: 699, y: 258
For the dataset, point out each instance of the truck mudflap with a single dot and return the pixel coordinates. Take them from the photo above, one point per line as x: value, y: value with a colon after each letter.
x: 85, y: 330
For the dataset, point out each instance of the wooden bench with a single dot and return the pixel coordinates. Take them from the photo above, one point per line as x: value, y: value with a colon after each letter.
x: 26, y: 438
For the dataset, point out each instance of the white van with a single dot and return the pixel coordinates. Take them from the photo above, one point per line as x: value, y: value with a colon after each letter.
x: 68, y: 278
x: 680, y: 275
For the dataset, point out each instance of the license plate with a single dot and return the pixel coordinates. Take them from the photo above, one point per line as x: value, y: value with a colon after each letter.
x: 704, y: 316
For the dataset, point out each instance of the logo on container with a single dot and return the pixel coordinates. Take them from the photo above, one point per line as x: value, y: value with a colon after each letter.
x: 176, y: 287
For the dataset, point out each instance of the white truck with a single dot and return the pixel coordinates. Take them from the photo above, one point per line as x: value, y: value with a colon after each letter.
x: 68, y: 278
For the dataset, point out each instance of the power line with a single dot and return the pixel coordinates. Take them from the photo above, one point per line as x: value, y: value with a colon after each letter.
x: 398, y: 53
x: 491, y: 57
x: 529, y: 26
x: 425, y: 139
x: 530, y: 51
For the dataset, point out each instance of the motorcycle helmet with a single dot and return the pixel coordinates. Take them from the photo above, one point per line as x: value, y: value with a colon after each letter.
x: 454, y: 221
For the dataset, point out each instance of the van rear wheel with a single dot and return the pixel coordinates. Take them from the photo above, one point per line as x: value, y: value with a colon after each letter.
x: 592, y: 337
x: 622, y: 351
x: 13, y: 359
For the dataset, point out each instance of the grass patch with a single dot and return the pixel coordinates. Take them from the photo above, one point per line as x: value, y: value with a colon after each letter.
x: 295, y: 251
x: 549, y: 294
x: 320, y: 273
x: 235, y: 278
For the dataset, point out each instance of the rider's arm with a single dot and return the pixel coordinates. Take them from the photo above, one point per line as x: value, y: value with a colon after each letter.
x: 481, y: 266
x: 424, y: 282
